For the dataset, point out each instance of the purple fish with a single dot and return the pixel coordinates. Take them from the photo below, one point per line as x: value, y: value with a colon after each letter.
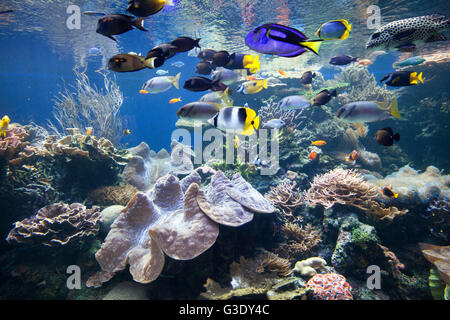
x: 280, y: 40
x: 342, y: 60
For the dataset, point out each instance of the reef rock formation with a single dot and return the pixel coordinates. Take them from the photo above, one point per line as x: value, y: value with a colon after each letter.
x: 57, y: 224
x: 178, y: 219
x: 330, y: 286
x: 440, y: 257
x: 146, y: 167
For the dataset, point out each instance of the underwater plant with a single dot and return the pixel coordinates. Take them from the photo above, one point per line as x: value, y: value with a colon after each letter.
x: 285, y: 197
x: 83, y: 105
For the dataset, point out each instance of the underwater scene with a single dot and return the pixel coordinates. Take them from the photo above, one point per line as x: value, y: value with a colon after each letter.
x: 224, y: 150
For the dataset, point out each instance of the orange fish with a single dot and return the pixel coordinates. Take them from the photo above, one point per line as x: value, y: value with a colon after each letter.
x: 387, y: 191
x: 250, y: 78
x: 175, y: 100
x: 318, y: 143
x: 365, y: 62
x: 143, y: 91
x: 312, y: 155
x: 89, y: 131
x: 282, y: 72
x: 352, y: 156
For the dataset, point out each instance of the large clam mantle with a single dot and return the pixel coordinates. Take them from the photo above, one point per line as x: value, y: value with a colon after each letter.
x: 178, y: 219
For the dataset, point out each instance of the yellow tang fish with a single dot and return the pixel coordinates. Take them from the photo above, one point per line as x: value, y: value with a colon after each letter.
x: 4, y: 124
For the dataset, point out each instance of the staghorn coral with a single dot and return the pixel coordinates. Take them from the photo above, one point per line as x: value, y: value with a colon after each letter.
x: 300, y: 240
x: 87, y: 106
x: 285, y: 197
x: 110, y: 195
x: 145, y: 166
x: 347, y: 187
x: 330, y: 286
x: 272, y: 110
x: 178, y: 219
x: 56, y: 224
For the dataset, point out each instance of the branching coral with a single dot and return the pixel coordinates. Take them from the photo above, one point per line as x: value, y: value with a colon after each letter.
x: 285, y: 197
x: 87, y: 106
x: 110, y: 195
x: 57, y: 224
x: 272, y: 110
x: 346, y: 187
x: 300, y: 240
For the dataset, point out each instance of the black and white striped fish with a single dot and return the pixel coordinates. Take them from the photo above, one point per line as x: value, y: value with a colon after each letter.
x: 239, y: 120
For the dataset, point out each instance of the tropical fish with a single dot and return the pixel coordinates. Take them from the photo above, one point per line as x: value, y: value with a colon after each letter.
x: 125, y: 62
x: 334, y: 30
x: 294, y: 103
x: 282, y: 72
x: 387, y: 191
x: 126, y: 132
x: 175, y: 100
x: 323, y: 97
x: 274, y: 124
x: 145, y: 8
x: 165, y: 50
x: 239, y: 120
x: 4, y: 125
x: 368, y: 111
x: 199, y: 111
x: 251, y: 87
x: 318, y: 143
x: 312, y: 155
x: 244, y: 61
x: 342, y: 60
x: 162, y: 72
x: 228, y: 76
x: 89, y: 130
x: 307, y: 77
x: 206, y: 54
x: 160, y: 84
x: 158, y: 57
x: 221, y: 58
x: 412, y: 61
x: 402, y: 78
x: 178, y: 64
x: 203, y: 84
x: 386, y: 137
x: 365, y: 62
x: 204, y: 67
x: 185, y: 44
x: 114, y: 24
x: 352, y: 157
x: 94, y: 50
x: 405, y: 34
x: 217, y: 97
x: 277, y: 39
x: 251, y: 78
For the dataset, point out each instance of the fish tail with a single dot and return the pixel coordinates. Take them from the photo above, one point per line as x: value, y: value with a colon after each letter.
x: 264, y: 84
x: 395, y: 195
x: 355, y: 59
x: 176, y: 80
x: 150, y: 62
x: 393, y: 109
x: 225, y: 96
x: 256, y: 123
x: 196, y: 43
x: 345, y: 35
x: 419, y: 77
x: 169, y: 3
x: 139, y: 23
x: 313, y: 45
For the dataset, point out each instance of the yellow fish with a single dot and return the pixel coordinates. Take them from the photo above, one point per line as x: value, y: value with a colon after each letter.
x: 89, y: 130
x: 318, y: 143
x: 253, y: 86
x: 175, y: 100
x: 252, y: 63
x: 126, y: 132
x: 4, y: 124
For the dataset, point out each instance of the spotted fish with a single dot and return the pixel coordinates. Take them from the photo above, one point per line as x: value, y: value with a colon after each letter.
x: 404, y: 34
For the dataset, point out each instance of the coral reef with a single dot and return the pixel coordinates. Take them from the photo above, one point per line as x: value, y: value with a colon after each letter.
x: 347, y: 187
x: 111, y: 195
x: 285, y: 197
x: 57, y: 224
x: 273, y: 263
x: 310, y: 266
x: 330, y: 286
x: 272, y: 110
x: 439, y: 256
x: 178, y: 219
x: 300, y: 240
x: 145, y: 166
x: 438, y: 216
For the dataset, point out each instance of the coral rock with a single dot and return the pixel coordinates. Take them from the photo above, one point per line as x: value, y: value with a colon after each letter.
x: 330, y: 286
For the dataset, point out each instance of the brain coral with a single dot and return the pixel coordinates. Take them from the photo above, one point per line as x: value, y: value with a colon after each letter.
x: 177, y: 218
x: 57, y: 224
x: 330, y: 286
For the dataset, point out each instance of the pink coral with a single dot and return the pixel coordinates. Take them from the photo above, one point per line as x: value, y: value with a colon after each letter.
x: 330, y: 286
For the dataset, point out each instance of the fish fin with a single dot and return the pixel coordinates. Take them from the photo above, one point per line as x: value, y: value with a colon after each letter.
x: 111, y: 37
x: 397, y: 137
x: 317, y: 34
x: 139, y: 23
x: 333, y: 93
x: 225, y: 96
x: 395, y: 195
x: 393, y: 109
x: 169, y: 3
x: 196, y: 43
x: 176, y: 81
x: 94, y: 13
x: 419, y: 77
x: 345, y: 35
x: 150, y: 62
x: 264, y: 84
x: 312, y: 45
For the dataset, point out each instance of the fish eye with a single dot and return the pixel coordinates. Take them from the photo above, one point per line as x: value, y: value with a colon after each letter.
x: 376, y: 35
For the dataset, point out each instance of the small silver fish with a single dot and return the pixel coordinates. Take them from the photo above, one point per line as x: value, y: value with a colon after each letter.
x: 294, y: 103
x: 274, y: 124
x: 177, y: 64
x: 162, y: 72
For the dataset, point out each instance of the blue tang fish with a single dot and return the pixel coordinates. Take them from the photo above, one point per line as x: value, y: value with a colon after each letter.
x: 280, y: 40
